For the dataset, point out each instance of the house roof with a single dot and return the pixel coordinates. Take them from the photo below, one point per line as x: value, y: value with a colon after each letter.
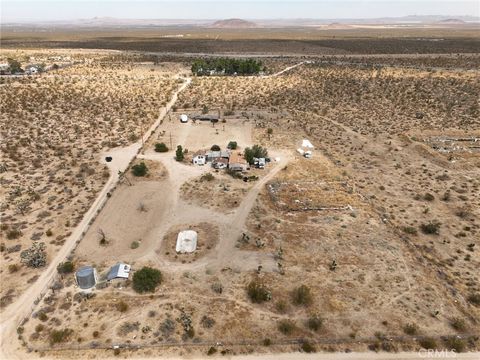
x: 218, y: 154
x: 119, y: 270
x: 221, y: 160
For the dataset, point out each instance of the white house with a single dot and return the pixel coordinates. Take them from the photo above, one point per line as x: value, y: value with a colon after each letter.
x: 199, y: 158
x: 119, y: 271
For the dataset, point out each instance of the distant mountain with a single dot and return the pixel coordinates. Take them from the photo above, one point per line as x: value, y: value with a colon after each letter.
x: 234, y: 23
x: 451, y: 21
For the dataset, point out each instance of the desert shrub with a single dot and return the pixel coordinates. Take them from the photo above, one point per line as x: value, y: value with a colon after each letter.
x: 42, y: 316
x: 458, y: 324
x: 215, y: 148
x: 308, y: 347
x: 267, y: 342
x: 96, y: 334
x: 474, y: 298
x: 410, y: 329
x: 281, y: 306
x: 13, y: 234
x: 431, y: 228
x: 12, y: 268
x: 211, y: 351
x: 49, y: 232
x: 315, y: 323
x: 161, y: 147
x: 167, y: 327
x: 207, y: 177
x: 256, y: 151
x: 454, y: 343
x: 428, y: 343
x: 217, y: 287
x: 122, y: 306
x: 302, y: 296
x: 146, y: 279
x: 140, y: 169
x: 179, y: 153
x: 257, y: 292
x: 58, y: 336
x: 410, y: 230
x: 66, y: 267
x: 207, y: 322
x: 286, y: 327
x: 428, y: 197
x: 39, y: 328
x: 35, y: 256
x: 134, y: 245
x: 116, y: 351
x: 204, y: 109
x: 232, y: 145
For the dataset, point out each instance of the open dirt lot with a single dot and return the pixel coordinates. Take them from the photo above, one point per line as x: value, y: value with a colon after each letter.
x: 370, y: 245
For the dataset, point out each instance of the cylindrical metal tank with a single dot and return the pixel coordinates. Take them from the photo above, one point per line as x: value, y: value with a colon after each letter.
x: 86, y: 277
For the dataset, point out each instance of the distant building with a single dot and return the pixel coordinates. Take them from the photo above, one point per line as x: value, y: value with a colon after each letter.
x: 119, y: 271
x: 237, y: 162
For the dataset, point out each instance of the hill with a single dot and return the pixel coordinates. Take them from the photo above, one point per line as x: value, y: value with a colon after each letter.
x: 234, y: 23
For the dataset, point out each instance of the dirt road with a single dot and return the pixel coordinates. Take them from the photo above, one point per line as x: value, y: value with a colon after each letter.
x: 21, y: 308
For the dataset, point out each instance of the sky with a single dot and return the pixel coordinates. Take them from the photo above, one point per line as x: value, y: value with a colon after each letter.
x: 47, y: 10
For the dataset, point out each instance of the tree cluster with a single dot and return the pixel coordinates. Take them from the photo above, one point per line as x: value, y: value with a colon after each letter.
x: 205, y: 67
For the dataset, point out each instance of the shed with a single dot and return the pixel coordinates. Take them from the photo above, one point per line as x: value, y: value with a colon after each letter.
x: 86, y: 277
x: 186, y: 241
x: 237, y: 162
x: 213, y: 155
x: 120, y: 271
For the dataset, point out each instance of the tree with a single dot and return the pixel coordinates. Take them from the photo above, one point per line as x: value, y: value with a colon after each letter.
x: 65, y: 267
x: 179, y: 153
x: 204, y: 109
x: 146, y: 279
x: 257, y: 292
x: 232, y: 145
x: 215, y: 148
x: 35, y: 256
x: 256, y: 151
x: 302, y: 296
x: 14, y: 66
x: 161, y: 147
x: 140, y: 169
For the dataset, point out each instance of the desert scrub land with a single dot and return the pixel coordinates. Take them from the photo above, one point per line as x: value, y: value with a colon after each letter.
x: 54, y: 128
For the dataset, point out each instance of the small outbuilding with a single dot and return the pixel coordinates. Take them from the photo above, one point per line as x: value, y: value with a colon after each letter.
x: 186, y: 241
x: 237, y: 162
x: 86, y: 277
x: 183, y: 118
x: 214, y: 155
x: 199, y: 158
x: 119, y: 271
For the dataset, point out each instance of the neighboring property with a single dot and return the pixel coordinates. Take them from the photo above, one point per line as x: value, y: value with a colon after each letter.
x: 86, y: 277
x: 237, y: 162
x: 220, y: 163
x: 214, y: 155
x: 186, y: 241
x: 199, y: 158
x: 259, y: 163
x: 119, y: 271
x: 183, y: 118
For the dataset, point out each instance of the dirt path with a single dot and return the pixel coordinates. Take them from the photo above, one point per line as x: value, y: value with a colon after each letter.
x: 21, y: 308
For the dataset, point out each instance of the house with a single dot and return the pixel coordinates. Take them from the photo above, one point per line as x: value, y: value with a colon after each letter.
x: 259, y: 163
x: 213, y: 155
x: 220, y: 163
x: 237, y: 162
x: 199, y: 158
x: 119, y: 271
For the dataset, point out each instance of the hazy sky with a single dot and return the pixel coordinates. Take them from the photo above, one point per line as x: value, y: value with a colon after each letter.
x: 15, y: 10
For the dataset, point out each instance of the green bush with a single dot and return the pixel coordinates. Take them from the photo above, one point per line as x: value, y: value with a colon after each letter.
x: 215, y: 148
x: 122, y: 306
x: 207, y: 177
x: 308, y: 347
x: 257, y: 292
x: 302, y: 296
x: 454, y: 343
x: 432, y: 228
x: 458, y: 324
x: 66, y: 267
x: 211, y: 351
x: 474, y: 298
x: 161, y: 147
x: 58, y: 336
x: 267, y: 342
x: 179, y: 153
x: 140, y: 169
x: 286, y: 327
x: 410, y: 329
x: 146, y: 279
x: 315, y: 323
x: 134, y: 245
x: 232, y: 145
